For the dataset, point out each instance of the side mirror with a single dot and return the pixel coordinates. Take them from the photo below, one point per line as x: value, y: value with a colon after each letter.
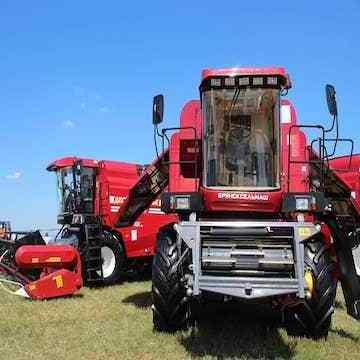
x: 158, y: 109
x: 331, y: 99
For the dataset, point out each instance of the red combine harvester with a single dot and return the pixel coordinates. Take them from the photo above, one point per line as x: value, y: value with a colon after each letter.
x: 90, y: 195
x: 41, y: 271
x: 263, y: 212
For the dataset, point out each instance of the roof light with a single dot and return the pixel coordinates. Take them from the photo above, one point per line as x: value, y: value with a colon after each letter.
x: 302, y: 204
x: 305, y: 203
x: 258, y: 81
x: 230, y: 81
x: 243, y: 81
x: 216, y: 82
x: 272, y: 80
x: 181, y: 202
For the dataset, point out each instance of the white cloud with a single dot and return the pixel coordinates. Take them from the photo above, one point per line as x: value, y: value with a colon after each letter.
x: 14, y: 176
x: 104, y: 109
x: 68, y: 124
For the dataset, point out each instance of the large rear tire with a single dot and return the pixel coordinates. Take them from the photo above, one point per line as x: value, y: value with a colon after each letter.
x: 312, y: 318
x: 171, y: 306
x: 113, y: 258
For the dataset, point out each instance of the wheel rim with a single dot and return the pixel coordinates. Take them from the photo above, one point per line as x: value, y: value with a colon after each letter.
x: 109, y: 261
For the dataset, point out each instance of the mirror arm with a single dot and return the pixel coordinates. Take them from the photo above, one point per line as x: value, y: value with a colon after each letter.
x: 332, y: 125
x: 156, y: 133
x: 160, y: 135
x: 335, y: 122
x: 163, y: 132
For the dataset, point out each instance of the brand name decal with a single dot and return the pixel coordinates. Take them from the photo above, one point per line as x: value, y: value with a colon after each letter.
x: 243, y: 196
x: 116, y: 200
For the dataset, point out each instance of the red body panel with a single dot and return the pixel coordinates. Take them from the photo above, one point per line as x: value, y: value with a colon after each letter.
x: 218, y: 200
x: 299, y: 173
x: 183, y: 176
x: 114, y: 181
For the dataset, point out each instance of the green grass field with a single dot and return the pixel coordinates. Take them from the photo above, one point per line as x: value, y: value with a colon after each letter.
x: 116, y: 323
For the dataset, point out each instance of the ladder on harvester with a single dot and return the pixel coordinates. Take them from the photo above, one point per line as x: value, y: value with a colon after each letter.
x: 92, y: 260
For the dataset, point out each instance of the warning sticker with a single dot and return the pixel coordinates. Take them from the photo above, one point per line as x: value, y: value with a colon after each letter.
x: 304, y: 231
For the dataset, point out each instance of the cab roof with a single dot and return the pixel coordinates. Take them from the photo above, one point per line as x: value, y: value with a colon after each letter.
x: 71, y: 160
x: 247, y: 71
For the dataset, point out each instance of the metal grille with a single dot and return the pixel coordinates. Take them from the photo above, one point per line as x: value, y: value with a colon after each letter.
x: 247, y: 251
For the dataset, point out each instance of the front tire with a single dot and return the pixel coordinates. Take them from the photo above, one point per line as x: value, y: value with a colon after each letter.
x: 312, y: 318
x: 171, y: 306
x: 113, y: 258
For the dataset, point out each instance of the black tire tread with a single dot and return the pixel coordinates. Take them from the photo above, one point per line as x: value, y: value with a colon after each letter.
x: 170, y: 304
x: 313, y: 318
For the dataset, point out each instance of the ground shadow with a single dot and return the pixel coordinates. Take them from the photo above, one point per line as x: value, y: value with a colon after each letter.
x: 140, y: 300
x: 77, y: 295
x: 344, y: 334
x: 129, y: 276
x: 340, y: 305
x: 134, y: 276
x: 233, y: 330
x: 70, y: 296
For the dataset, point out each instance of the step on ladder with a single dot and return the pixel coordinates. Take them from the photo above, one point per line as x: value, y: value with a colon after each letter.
x: 92, y: 260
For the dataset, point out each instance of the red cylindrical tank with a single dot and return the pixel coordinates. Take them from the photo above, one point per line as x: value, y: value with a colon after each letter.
x: 40, y: 256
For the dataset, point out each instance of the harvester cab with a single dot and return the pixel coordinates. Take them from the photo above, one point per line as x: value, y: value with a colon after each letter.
x: 75, y: 188
x: 81, y: 226
x: 261, y: 213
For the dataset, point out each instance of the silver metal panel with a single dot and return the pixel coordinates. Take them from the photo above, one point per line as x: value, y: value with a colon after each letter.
x: 299, y: 263
x: 187, y: 233
x: 248, y: 288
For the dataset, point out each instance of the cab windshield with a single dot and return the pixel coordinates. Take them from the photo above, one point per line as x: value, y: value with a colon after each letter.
x: 241, y: 138
x: 76, y: 189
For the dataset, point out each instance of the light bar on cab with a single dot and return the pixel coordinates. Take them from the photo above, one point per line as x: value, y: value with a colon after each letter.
x: 271, y: 80
x: 216, y: 82
x: 256, y: 81
x: 230, y: 81
x: 244, y: 81
x: 234, y: 81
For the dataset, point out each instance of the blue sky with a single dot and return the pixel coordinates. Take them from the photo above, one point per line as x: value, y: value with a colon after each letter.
x: 77, y: 77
